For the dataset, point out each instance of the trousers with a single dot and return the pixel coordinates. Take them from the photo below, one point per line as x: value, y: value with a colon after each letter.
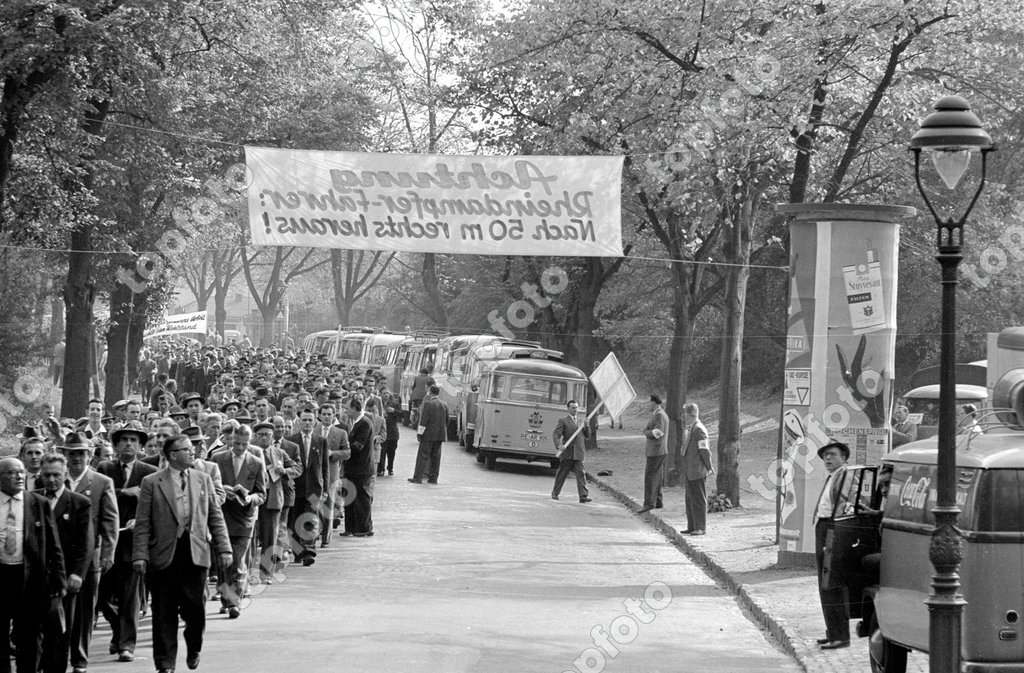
x: 564, y: 468
x: 180, y: 588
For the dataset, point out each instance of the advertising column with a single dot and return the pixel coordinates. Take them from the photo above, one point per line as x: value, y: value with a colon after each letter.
x: 840, y: 343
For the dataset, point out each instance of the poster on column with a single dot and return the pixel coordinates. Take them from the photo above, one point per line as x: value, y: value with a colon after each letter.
x: 476, y: 205
x: 839, y: 359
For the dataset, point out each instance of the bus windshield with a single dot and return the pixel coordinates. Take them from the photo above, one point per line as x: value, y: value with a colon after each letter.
x: 538, y: 391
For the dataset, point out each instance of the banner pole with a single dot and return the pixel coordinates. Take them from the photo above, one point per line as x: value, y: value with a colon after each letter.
x: 582, y: 425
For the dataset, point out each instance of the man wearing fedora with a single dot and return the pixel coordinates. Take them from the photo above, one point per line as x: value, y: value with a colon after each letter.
x: 198, y: 439
x: 119, y: 588
x: 193, y: 404
x: 179, y: 527
x: 99, y: 489
x: 833, y: 597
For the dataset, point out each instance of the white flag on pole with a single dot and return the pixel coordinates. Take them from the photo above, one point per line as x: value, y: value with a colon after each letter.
x: 612, y: 386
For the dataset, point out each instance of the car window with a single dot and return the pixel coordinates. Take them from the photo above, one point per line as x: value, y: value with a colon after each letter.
x: 497, y: 387
x: 999, y: 502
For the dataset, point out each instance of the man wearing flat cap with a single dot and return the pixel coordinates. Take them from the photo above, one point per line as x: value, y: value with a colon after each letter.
x: 834, y: 604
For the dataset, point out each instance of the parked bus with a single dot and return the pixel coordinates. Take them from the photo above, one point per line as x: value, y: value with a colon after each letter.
x: 422, y: 355
x: 319, y: 342
x: 478, y: 360
x: 520, y: 401
x: 447, y: 372
x: 397, y: 356
x: 375, y: 350
x: 922, y: 401
x: 349, y: 348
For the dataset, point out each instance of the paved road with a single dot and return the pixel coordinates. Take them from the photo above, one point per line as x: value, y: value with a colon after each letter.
x: 485, y: 572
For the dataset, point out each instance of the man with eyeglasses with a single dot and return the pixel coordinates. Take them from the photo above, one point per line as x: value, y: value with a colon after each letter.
x: 176, y: 535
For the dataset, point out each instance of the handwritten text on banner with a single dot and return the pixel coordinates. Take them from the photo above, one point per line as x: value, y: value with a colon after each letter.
x: 476, y: 205
x: 183, y: 323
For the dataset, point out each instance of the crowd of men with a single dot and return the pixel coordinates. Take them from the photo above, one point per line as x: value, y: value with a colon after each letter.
x: 195, y: 491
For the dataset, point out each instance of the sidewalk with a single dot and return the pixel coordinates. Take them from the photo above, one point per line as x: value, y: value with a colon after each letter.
x: 739, y: 551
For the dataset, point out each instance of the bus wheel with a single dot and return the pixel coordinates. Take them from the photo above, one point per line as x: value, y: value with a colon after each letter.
x: 461, y: 432
x: 469, y: 440
x: 885, y: 655
x: 490, y: 461
x: 480, y: 456
x: 453, y: 427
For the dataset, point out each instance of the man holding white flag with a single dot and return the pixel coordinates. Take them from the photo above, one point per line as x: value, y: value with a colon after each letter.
x: 571, y: 450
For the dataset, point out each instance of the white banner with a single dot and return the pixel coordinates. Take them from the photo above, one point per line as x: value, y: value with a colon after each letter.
x: 473, y: 205
x: 179, y: 324
x: 611, y: 384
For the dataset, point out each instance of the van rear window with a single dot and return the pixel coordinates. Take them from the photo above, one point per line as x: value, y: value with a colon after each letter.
x: 913, y: 491
x: 540, y: 391
x: 999, y: 501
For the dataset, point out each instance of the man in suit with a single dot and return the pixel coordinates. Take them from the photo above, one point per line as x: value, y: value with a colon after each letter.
x: 119, y: 588
x: 903, y: 429
x: 105, y: 521
x: 359, y: 471
x: 304, y: 516
x: 245, y: 484
x: 32, y: 451
x: 31, y: 567
x: 834, y: 605
x: 431, y: 433
x: 280, y: 467
x: 198, y: 439
x: 655, y: 448
x: 291, y: 449
x: 696, y: 468
x: 571, y: 455
x: 337, y: 452
x: 71, y: 512
x: 179, y: 526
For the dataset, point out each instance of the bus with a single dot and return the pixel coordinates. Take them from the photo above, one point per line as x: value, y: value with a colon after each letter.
x: 478, y: 360
x: 375, y: 350
x: 421, y: 355
x: 349, y: 348
x: 396, y: 357
x: 319, y: 342
x: 519, y: 404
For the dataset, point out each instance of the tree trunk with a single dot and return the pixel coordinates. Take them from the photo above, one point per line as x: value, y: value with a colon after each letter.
x: 435, y: 301
x: 117, y: 344
x: 78, y: 300
x: 680, y: 353
x: 269, y: 315
x: 136, y: 333
x: 220, y: 298
x: 737, y: 252
x: 56, y: 319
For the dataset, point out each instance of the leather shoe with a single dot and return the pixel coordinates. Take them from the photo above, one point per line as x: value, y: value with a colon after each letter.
x: 234, y: 613
x: 584, y: 499
x: 644, y: 509
x: 366, y: 534
x: 113, y: 648
x: 308, y: 561
x: 431, y: 481
x: 125, y: 655
x: 165, y: 670
x: 414, y: 481
x: 822, y: 641
x: 79, y: 669
x: 697, y: 532
x: 835, y: 644
x: 192, y: 661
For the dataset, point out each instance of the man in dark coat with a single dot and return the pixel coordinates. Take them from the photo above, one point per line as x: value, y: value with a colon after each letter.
x: 571, y: 454
x: 31, y: 567
x: 431, y: 433
x: 359, y: 471
x: 119, y: 588
x: 71, y: 512
x: 310, y: 487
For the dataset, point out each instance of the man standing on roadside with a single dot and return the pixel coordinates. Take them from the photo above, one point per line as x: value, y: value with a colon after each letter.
x: 834, y: 607
x: 903, y: 429
x: 656, y: 448
x: 696, y: 468
x: 431, y: 433
x: 571, y: 455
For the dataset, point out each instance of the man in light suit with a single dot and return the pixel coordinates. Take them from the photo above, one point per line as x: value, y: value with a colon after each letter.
x: 103, y: 508
x: 245, y: 483
x: 198, y: 439
x: 119, y: 588
x: 571, y: 455
x: 31, y: 567
x: 834, y: 606
x: 304, y: 517
x: 291, y: 449
x: 338, y: 452
x: 280, y: 467
x: 656, y: 448
x: 431, y: 433
x: 71, y: 512
x: 178, y: 521
x: 696, y: 468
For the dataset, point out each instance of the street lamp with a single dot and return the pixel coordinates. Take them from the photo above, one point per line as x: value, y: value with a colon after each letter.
x: 950, y: 135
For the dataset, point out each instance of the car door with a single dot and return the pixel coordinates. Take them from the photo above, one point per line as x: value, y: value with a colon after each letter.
x: 854, y: 534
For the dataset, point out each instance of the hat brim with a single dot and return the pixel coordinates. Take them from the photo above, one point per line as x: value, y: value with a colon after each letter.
x: 835, y: 445
x: 117, y: 435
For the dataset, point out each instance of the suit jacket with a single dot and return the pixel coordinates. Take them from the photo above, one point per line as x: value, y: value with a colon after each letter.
x: 291, y: 449
x: 103, y: 508
x: 338, y: 449
x: 73, y: 517
x: 903, y: 433
x: 241, y: 517
x: 210, y: 468
x: 360, y: 439
x: 315, y: 469
x: 44, y: 559
x: 126, y: 504
x: 563, y: 430
x: 434, y: 420
x: 276, y: 457
x: 156, y: 524
x: 657, y: 446
x: 697, y: 455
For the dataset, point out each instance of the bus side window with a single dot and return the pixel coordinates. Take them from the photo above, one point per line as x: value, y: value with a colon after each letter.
x: 999, y: 502
x: 497, y: 386
x: 557, y: 393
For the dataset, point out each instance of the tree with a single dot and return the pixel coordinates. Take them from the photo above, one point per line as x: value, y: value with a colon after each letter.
x: 351, y: 280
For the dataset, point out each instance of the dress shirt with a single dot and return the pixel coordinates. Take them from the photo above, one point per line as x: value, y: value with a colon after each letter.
x: 16, y: 504
x: 824, y: 510
x: 184, y: 504
x: 73, y: 483
x: 55, y: 497
x: 126, y: 470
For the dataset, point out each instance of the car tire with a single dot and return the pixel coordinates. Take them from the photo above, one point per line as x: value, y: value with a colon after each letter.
x: 885, y: 655
x: 480, y: 456
x: 490, y: 461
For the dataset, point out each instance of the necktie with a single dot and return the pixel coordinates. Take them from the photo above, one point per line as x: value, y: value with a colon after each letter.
x: 10, y: 531
x: 305, y: 449
x: 183, y: 482
x: 127, y: 473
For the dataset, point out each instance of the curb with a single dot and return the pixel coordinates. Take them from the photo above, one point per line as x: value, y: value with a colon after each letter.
x: 714, y: 569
